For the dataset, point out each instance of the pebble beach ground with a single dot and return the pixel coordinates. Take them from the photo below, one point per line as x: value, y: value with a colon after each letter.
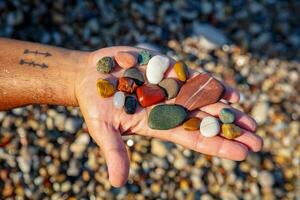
x: 46, y: 153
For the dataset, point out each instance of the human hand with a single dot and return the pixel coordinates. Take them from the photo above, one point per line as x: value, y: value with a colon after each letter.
x: 106, y: 124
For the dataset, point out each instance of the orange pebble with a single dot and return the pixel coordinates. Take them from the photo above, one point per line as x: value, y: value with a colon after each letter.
x: 125, y: 59
x: 192, y: 124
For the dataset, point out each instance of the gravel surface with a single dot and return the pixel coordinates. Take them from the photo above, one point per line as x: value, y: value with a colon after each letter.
x: 45, y: 152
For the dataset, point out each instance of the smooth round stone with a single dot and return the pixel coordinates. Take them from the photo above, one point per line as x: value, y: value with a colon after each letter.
x: 144, y: 57
x: 231, y: 131
x: 181, y: 70
x: 156, y: 68
x: 130, y: 105
x: 209, y: 127
x: 135, y: 74
x: 227, y: 116
x: 119, y: 100
x: 149, y: 95
x: 105, y: 65
x: 171, y: 87
x: 125, y: 59
x: 127, y: 85
x: 192, y: 124
x: 105, y: 88
x: 164, y: 117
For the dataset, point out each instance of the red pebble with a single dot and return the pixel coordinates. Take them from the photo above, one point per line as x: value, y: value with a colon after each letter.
x: 127, y: 85
x: 200, y: 91
x: 150, y: 94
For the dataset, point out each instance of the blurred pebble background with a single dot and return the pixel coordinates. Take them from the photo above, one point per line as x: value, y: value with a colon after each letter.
x: 45, y: 152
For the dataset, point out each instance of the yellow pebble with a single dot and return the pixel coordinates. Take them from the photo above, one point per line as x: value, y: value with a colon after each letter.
x: 231, y: 131
x: 105, y: 88
x: 181, y: 70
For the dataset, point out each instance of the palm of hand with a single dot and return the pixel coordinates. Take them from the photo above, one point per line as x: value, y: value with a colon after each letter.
x: 106, y: 124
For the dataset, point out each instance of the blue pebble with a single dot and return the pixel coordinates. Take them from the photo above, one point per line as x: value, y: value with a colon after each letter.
x: 227, y: 116
x: 144, y: 57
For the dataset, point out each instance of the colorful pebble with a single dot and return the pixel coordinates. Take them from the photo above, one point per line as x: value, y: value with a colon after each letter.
x: 149, y: 95
x: 135, y: 74
x: 125, y: 59
x: 200, y: 91
x: 105, y: 88
x: 119, y: 100
x: 164, y: 117
x: 130, y: 105
x: 127, y: 85
x: 144, y: 57
x: 156, y: 68
x: 181, y: 70
x: 227, y: 116
x: 231, y: 131
x: 209, y: 127
x: 192, y: 124
x: 105, y: 65
x: 170, y: 86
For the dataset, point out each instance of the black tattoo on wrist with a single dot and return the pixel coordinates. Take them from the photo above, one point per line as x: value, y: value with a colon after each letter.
x: 32, y: 63
x: 36, y: 52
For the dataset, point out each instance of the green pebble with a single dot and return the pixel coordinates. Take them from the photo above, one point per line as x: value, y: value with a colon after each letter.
x: 164, y: 117
x: 144, y: 57
x: 227, y: 116
x: 105, y: 65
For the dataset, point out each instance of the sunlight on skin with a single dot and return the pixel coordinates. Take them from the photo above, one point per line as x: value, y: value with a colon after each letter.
x: 106, y: 124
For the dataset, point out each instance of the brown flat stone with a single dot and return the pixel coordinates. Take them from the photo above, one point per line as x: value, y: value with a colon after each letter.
x: 200, y: 91
x: 171, y: 87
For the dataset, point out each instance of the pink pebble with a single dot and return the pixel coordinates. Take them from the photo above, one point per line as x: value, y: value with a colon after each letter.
x: 125, y: 59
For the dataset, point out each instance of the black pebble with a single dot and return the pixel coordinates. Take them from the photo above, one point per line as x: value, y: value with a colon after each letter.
x: 130, y: 105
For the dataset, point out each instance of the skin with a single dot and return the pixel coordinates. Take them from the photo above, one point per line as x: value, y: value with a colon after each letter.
x: 70, y: 80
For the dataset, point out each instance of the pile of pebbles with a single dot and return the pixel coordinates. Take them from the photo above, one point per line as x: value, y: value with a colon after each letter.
x: 132, y: 90
x: 39, y: 145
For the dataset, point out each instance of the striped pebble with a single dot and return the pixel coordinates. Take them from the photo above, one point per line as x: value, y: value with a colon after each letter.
x: 209, y: 127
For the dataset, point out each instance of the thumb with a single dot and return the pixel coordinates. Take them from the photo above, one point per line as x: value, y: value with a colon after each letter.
x: 113, y: 147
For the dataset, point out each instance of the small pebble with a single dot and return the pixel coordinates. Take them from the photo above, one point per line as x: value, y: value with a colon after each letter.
x: 192, y: 124
x: 164, y: 117
x: 130, y: 105
x: 227, y: 116
x: 159, y: 148
x: 156, y: 68
x: 105, y: 88
x: 119, y: 99
x: 127, y: 85
x: 171, y: 87
x: 135, y: 74
x: 144, y: 57
x: 231, y: 131
x: 105, y: 65
x: 149, y: 95
x: 181, y: 70
x: 209, y: 127
x: 125, y: 59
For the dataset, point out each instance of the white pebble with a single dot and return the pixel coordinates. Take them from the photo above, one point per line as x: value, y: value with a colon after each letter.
x: 119, y: 100
x: 209, y: 127
x: 156, y: 68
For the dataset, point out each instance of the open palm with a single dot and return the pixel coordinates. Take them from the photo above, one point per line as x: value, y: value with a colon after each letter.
x: 107, y: 124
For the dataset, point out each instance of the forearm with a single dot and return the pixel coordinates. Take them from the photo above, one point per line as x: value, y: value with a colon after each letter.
x: 32, y: 73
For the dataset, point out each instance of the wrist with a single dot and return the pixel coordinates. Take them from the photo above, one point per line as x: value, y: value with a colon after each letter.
x: 78, y: 63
